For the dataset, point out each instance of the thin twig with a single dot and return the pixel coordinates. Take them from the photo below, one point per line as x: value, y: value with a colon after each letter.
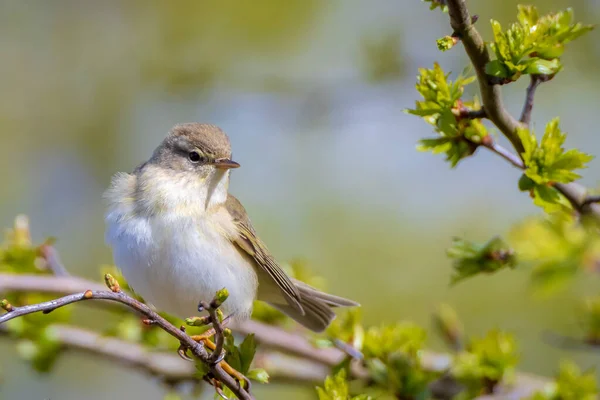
x: 528, y: 106
x: 218, y: 332
x: 197, y: 349
x: 504, y: 153
x: 591, y: 199
x: 491, y: 95
x: 534, y: 82
x: 53, y: 262
x: 270, y: 337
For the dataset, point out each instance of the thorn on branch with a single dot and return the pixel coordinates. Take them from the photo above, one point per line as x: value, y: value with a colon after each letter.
x: 148, y: 322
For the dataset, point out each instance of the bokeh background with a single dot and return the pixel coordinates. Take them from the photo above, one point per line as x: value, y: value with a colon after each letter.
x: 312, y: 94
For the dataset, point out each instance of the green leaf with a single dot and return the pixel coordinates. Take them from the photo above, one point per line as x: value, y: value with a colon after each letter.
x: 247, y: 352
x: 486, y: 360
x: 446, y: 43
x: 549, y: 163
x: 497, y: 68
x: 233, y: 356
x: 557, y: 248
x: 336, y: 388
x: 471, y: 259
x: 525, y: 183
x: 201, y: 369
x: 442, y: 108
x: 437, y: 3
x: 449, y: 326
x: 570, y: 384
x: 533, y: 44
x: 539, y: 66
x: 258, y: 375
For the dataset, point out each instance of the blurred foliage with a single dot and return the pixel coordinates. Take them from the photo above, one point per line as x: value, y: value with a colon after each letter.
x: 485, y: 362
x: 557, y: 248
x: 570, y: 384
x: 336, y: 388
x: 471, y: 259
x: 382, y: 59
x: 590, y: 314
x: 447, y: 324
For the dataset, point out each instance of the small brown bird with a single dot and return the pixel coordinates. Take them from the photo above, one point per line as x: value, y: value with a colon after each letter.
x: 179, y: 236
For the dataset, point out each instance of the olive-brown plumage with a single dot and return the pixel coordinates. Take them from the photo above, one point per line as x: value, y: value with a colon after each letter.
x: 179, y: 236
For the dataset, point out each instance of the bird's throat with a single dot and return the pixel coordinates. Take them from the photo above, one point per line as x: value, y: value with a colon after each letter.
x: 160, y: 192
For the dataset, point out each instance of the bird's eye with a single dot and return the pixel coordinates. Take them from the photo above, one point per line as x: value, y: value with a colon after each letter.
x: 195, y: 157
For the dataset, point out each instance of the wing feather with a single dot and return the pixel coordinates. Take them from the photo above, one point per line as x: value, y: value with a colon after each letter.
x: 248, y: 242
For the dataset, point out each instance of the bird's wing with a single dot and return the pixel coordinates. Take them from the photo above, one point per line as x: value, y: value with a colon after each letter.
x: 248, y: 242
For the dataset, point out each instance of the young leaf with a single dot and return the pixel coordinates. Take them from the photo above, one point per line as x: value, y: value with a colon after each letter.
x: 336, y: 388
x: 247, y: 352
x: 547, y: 163
x: 570, y: 384
x: 258, y: 375
x: 485, y: 362
x: 437, y: 3
x: 557, y: 248
x: 471, y: 259
x: 532, y: 45
x: 442, y: 108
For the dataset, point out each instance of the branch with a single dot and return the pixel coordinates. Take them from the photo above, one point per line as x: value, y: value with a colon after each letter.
x: 309, y: 363
x: 169, y: 366
x: 120, y: 297
x: 504, y: 153
x: 491, y: 95
x: 53, y: 262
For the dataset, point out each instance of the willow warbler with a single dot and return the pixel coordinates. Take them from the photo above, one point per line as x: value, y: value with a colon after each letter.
x: 179, y: 236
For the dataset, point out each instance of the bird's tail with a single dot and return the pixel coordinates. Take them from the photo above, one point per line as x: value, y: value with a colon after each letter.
x: 316, y: 306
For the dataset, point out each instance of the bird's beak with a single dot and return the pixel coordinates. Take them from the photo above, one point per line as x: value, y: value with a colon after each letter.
x: 225, y: 163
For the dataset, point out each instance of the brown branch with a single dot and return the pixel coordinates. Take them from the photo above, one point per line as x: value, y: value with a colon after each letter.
x: 308, y: 364
x: 529, y: 97
x: 218, y: 329
x: 120, y: 297
x: 591, y: 199
x: 53, y: 262
x: 491, y: 96
x: 504, y: 153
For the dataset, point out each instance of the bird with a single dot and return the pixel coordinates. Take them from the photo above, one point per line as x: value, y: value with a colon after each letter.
x: 178, y: 236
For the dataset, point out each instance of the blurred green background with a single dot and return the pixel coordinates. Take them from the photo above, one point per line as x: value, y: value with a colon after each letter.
x: 311, y: 93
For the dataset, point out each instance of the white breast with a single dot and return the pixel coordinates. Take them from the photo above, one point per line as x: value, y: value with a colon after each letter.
x: 173, y: 261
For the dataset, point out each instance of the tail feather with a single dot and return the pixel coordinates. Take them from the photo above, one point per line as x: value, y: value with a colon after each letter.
x: 329, y: 299
x: 316, y: 306
x: 317, y: 315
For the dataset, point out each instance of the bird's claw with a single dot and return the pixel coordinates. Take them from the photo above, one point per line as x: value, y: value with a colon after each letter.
x: 220, y: 358
x: 182, y: 351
